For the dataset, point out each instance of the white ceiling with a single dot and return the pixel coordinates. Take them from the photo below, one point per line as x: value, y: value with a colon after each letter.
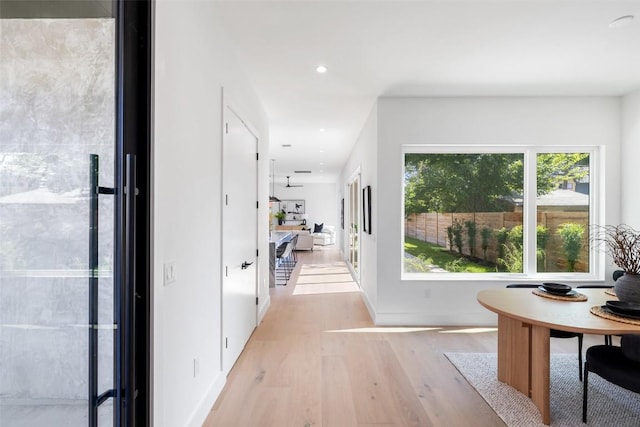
x: 417, y: 48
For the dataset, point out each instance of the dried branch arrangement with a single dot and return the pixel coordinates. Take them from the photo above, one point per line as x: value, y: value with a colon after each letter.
x: 622, y: 243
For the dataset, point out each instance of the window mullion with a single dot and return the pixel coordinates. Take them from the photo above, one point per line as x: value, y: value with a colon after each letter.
x: 529, y: 209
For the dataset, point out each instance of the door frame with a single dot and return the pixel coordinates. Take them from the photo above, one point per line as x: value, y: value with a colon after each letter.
x: 253, y: 131
x: 133, y: 214
x: 357, y: 174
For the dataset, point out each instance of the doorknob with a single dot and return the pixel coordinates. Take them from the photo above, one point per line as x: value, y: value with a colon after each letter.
x: 246, y: 264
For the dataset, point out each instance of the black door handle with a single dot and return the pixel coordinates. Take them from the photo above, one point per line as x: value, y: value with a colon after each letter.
x: 246, y: 264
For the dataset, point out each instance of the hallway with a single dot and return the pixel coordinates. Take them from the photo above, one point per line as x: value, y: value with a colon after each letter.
x: 318, y: 360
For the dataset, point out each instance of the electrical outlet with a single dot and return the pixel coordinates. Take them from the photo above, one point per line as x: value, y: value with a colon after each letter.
x: 169, y: 272
x: 196, y: 367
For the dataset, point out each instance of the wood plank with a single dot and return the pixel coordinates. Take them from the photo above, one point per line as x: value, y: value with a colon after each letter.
x: 513, y: 353
x: 337, y: 398
x: 408, y: 410
x: 371, y: 387
x: 435, y: 380
x: 540, y: 371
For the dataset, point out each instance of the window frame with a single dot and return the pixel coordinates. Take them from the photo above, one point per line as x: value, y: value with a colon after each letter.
x: 529, y: 211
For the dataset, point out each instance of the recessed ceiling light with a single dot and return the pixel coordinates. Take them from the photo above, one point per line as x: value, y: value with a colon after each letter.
x: 621, y: 21
x: 322, y: 129
x: 321, y: 163
x: 322, y: 151
x: 321, y: 69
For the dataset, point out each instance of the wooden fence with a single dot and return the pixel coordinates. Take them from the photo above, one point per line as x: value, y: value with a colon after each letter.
x: 432, y: 228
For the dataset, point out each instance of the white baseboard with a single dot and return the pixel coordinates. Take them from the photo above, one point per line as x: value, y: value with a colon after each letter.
x: 201, y: 412
x: 483, y: 318
x: 367, y: 303
x: 486, y: 319
x: 199, y: 415
x: 264, y: 307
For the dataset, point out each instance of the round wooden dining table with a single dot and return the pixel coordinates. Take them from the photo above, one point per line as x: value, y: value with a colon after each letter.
x: 524, y: 321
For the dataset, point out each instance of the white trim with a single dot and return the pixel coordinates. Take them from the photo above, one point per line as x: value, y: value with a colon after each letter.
x: 420, y: 319
x: 252, y: 130
x: 221, y: 213
x: 199, y: 414
x: 357, y: 174
x: 462, y: 149
x: 370, y: 308
x: 263, y: 308
x: 529, y: 208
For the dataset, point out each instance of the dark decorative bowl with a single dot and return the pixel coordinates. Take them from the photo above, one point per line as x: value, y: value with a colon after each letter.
x: 624, y: 308
x: 556, y: 288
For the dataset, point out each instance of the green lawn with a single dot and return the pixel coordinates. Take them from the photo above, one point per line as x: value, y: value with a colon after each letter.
x: 441, y: 257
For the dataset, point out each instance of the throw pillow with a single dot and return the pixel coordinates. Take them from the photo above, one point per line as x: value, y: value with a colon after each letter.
x: 318, y: 228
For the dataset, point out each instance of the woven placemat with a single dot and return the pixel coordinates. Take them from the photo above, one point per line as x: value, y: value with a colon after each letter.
x: 611, y: 292
x: 578, y: 297
x: 605, y: 313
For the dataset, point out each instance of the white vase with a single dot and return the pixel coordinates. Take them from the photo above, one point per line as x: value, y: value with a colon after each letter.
x: 628, y: 288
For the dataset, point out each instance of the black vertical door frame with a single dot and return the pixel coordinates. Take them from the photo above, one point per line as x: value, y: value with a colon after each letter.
x: 133, y: 212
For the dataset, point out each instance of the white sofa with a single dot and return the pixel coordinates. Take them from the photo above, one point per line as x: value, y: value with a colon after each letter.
x: 326, y: 237
x: 305, y: 240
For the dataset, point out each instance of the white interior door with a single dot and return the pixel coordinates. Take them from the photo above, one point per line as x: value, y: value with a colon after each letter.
x: 239, y: 241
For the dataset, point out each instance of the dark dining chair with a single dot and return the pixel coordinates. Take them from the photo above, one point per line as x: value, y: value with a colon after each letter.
x: 555, y: 333
x: 616, y: 275
x: 617, y: 365
x: 607, y: 338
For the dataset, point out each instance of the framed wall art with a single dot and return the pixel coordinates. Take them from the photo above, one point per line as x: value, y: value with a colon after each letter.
x: 366, y: 209
x: 294, y: 210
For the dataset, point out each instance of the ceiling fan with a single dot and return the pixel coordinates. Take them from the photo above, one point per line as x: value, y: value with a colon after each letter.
x: 292, y: 185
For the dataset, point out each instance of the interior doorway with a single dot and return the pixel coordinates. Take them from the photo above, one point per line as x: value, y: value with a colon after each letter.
x: 354, y: 226
x: 239, y: 236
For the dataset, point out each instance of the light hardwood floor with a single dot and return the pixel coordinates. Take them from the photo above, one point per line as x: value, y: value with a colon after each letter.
x: 318, y: 360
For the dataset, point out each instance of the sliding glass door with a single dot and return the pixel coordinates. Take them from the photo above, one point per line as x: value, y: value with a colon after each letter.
x: 64, y: 291
x: 354, y: 223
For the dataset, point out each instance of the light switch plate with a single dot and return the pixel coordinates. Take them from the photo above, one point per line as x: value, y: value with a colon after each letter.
x: 169, y: 272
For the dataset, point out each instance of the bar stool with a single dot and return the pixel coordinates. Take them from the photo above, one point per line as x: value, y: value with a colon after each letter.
x: 294, y: 240
x: 283, y: 259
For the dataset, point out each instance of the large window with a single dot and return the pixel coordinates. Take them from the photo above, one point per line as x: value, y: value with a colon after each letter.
x: 509, y: 211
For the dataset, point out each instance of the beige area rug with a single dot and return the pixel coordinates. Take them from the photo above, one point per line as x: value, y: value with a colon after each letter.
x: 324, y: 279
x: 609, y: 405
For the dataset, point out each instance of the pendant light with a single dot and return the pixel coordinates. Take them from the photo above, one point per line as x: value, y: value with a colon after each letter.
x: 272, y: 197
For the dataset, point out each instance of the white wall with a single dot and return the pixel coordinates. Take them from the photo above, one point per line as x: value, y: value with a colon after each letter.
x: 540, y: 121
x: 631, y: 150
x: 320, y: 200
x: 363, y: 156
x: 193, y: 60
